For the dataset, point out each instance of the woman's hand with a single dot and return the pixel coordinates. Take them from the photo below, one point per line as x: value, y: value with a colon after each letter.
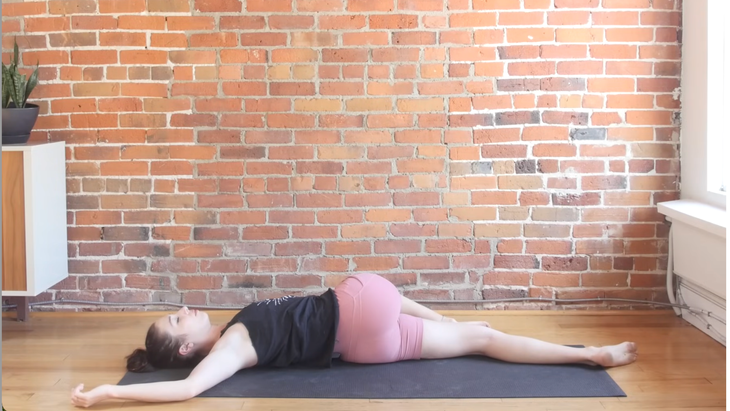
x: 479, y: 323
x: 87, y: 399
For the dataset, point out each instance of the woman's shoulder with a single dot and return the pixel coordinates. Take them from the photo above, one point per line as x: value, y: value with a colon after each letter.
x: 237, y: 339
x: 236, y: 333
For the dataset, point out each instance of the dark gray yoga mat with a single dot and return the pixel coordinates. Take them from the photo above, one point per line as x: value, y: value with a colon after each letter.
x: 464, y: 377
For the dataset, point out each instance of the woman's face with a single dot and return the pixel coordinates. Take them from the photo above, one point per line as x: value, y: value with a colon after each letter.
x: 192, y: 323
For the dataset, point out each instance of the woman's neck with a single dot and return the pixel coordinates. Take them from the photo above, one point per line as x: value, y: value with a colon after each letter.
x: 213, y: 336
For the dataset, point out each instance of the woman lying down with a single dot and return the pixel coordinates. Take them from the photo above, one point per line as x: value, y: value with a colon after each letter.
x: 363, y: 320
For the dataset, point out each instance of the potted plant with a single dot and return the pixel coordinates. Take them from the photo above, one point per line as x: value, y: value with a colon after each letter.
x: 19, y: 116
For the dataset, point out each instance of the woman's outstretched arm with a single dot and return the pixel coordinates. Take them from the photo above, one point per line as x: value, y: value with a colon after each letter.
x: 219, y: 365
x: 167, y: 391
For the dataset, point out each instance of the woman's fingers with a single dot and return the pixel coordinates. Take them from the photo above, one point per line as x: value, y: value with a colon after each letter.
x: 78, y: 398
x: 479, y: 323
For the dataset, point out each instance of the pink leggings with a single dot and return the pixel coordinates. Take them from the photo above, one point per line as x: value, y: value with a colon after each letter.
x: 372, y: 328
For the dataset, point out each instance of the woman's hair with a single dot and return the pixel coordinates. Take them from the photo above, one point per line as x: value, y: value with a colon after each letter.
x: 162, y: 351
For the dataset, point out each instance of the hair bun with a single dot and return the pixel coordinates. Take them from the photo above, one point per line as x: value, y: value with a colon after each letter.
x: 138, y: 361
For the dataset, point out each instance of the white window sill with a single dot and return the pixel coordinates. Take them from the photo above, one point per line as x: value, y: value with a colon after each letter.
x: 699, y: 215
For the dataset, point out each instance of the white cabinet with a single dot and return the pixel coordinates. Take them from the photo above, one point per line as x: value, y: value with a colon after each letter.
x: 34, y: 229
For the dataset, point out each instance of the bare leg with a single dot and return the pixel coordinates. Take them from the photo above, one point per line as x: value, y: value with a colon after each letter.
x: 447, y: 340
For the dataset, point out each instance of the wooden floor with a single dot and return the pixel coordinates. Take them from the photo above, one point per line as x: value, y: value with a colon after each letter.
x: 679, y: 367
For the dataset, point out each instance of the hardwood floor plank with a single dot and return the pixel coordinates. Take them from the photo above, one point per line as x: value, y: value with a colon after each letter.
x: 682, y: 404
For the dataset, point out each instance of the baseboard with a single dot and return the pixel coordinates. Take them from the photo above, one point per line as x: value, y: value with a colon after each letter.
x: 697, y: 297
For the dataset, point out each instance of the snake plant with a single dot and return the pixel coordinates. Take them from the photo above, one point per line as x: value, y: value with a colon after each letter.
x: 17, y: 87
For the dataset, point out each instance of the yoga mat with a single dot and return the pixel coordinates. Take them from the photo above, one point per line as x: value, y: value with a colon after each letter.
x: 464, y: 377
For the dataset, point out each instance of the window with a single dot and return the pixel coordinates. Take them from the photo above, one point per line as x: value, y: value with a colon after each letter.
x: 718, y: 96
x: 705, y: 134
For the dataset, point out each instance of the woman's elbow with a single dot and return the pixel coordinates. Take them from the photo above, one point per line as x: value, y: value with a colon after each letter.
x: 191, y: 391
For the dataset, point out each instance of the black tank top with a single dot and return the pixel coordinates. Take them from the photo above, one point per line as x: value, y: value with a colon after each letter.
x: 292, y: 330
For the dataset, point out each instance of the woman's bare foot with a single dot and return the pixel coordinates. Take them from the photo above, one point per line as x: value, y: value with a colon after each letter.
x: 616, y: 355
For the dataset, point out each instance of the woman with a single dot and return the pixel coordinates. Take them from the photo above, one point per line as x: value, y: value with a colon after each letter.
x: 364, y: 320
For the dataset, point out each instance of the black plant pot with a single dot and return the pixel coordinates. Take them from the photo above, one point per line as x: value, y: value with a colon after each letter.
x: 18, y: 122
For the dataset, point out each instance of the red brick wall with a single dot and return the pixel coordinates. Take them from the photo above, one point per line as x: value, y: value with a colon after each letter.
x: 221, y: 151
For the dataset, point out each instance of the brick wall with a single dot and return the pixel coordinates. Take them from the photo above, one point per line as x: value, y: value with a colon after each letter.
x: 221, y: 151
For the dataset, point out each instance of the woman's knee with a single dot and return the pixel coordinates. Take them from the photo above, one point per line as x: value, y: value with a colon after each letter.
x: 474, y: 337
x: 486, y: 335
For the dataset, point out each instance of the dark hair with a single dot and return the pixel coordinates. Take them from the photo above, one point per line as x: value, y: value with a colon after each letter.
x: 162, y: 351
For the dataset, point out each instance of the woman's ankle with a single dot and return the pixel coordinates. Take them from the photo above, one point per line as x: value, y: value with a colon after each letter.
x: 591, y: 355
